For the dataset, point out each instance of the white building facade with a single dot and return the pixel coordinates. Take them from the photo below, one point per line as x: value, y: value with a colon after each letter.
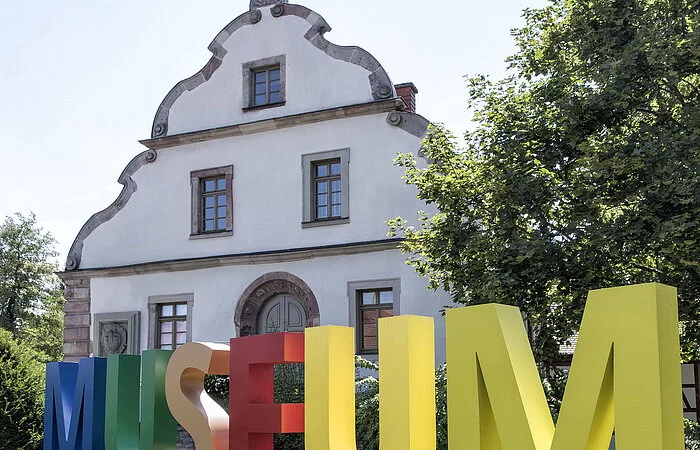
x: 261, y: 201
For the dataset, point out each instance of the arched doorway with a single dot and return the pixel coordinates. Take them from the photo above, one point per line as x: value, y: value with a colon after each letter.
x: 280, y: 297
x: 281, y: 313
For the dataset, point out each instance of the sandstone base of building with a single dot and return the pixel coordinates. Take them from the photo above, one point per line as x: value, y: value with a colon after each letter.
x: 77, y: 342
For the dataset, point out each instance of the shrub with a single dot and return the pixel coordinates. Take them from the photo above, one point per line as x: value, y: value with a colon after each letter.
x: 692, y: 435
x: 21, y: 395
x: 366, y: 407
x: 441, y: 407
x: 289, y: 388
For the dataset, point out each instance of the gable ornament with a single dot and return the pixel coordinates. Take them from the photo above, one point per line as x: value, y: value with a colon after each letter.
x: 261, y: 3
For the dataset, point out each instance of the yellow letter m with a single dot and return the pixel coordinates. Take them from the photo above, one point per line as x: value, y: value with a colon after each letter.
x: 625, y: 376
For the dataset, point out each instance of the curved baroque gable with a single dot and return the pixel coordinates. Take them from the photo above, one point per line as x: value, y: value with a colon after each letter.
x: 379, y: 82
x: 97, y: 219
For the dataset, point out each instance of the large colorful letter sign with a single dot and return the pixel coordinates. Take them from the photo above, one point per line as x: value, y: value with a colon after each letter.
x: 625, y: 375
x: 75, y: 405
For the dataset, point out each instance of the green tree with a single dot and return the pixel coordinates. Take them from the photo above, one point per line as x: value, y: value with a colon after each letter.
x: 582, y: 171
x: 692, y: 434
x: 31, y: 301
x: 21, y: 395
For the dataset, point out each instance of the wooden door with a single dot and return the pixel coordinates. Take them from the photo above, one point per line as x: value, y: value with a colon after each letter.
x: 281, y: 313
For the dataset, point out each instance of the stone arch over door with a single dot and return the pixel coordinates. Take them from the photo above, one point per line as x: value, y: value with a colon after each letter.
x: 267, y: 286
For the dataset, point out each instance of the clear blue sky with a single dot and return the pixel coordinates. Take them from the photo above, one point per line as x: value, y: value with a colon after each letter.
x: 80, y: 80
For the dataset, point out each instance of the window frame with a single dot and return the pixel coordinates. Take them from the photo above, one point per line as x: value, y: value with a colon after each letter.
x: 328, y: 179
x: 197, y: 179
x: 266, y: 64
x: 154, y: 304
x: 268, y: 91
x: 354, y: 290
x: 308, y: 165
x: 359, y: 333
x: 174, y: 319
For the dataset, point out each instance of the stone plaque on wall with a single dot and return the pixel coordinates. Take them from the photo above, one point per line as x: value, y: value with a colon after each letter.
x: 117, y: 333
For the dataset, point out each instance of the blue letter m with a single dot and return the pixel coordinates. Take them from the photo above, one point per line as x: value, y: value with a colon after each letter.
x: 75, y: 405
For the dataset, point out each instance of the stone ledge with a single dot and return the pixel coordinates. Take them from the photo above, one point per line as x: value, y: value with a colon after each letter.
x: 77, y: 282
x: 265, y: 257
x: 278, y: 123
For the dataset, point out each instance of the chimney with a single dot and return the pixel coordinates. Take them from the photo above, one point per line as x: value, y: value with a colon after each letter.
x: 407, y: 91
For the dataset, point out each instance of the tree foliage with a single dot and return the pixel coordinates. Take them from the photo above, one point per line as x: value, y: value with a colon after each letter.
x: 691, y: 434
x: 581, y: 173
x: 31, y: 301
x: 21, y: 395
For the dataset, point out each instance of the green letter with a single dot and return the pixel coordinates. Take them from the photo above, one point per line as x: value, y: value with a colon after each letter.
x: 122, y: 402
x: 125, y: 373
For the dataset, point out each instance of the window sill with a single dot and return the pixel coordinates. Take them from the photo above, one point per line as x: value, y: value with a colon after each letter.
x: 269, y: 105
x: 211, y: 235
x: 323, y: 223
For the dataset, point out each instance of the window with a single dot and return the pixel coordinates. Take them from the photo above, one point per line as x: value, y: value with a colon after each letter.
x: 325, y: 184
x: 170, y: 321
x: 370, y: 301
x: 264, y: 82
x: 212, y: 204
x: 266, y: 86
x: 327, y: 190
x: 172, y: 326
x: 372, y: 305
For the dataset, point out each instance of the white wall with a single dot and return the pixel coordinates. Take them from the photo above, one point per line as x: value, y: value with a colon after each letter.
x: 267, y: 194
x: 216, y: 292
x: 314, y: 80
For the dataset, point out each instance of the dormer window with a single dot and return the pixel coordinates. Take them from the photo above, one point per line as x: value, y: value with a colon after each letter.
x: 264, y: 83
x: 267, y: 86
